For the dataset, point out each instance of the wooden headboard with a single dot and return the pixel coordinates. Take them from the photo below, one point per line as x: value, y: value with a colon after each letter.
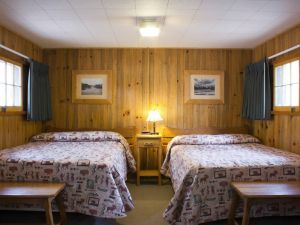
x: 168, y: 133
x: 172, y: 132
x: 127, y: 132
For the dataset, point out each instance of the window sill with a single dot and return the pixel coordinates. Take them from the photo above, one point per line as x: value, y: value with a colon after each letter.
x: 286, y: 113
x: 13, y: 113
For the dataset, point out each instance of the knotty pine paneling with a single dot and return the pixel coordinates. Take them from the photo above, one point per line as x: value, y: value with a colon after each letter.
x: 283, y: 130
x: 143, y: 79
x: 14, y: 129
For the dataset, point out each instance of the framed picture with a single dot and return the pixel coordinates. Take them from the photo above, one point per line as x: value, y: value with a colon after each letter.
x: 92, y: 86
x: 203, y: 87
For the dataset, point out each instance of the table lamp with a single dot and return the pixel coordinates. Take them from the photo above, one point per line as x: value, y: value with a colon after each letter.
x: 154, y: 116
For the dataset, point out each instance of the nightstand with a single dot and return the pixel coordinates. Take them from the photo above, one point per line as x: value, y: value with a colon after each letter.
x: 148, y: 143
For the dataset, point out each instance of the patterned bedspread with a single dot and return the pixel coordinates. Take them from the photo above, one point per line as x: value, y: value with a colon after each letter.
x: 92, y: 164
x: 201, y: 168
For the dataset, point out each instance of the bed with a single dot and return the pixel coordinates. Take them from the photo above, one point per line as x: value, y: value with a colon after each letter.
x: 93, y: 165
x: 201, y: 168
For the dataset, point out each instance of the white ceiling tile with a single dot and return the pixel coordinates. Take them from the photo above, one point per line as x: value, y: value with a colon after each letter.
x: 7, y: 13
x: 179, y: 12
x: 168, y: 44
x: 118, y: 4
x: 169, y: 34
x: 100, y: 30
x: 187, y: 4
x: 25, y: 32
x: 154, y: 4
x: 54, y: 4
x: 120, y: 13
x: 267, y: 15
x: 97, y: 25
x: 110, y: 44
x: 188, y: 23
x: 194, y: 37
x: 4, y: 7
x: 129, y: 22
x: 103, y: 37
x: 203, y: 25
x: 225, y: 26
x: 235, y: 41
x: 216, y: 4
x: 128, y: 44
x: 72, y: 26
x: 151, y: 12
x: 211, y: 14
x: 253, y: 27
x: 82, y: 40
x: 197, y: 31
x: 20, y: 4
x: 84, y: 4
x: 90, y: 14
x: 282, y: 6
x: 177, y: 22
x: 125, y: 33
x: 238, y: 15
x: 148, y: 39
x: 15, y: 23
x: 36, y: 14
x: 149, y: 44
x: 62, y: 14
x: 46, y: 28
x: 248, y: 5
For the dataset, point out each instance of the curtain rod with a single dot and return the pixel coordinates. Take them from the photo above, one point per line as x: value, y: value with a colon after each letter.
x: 15, y: 52
x: 283, y: 52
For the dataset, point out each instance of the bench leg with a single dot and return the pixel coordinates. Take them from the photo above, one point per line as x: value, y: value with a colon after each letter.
x: 48, y: 211
x: 234, y: 205
x: 247, y: 207
x: 60, y: 203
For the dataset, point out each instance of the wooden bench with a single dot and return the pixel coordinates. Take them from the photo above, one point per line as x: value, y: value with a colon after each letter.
x: 34, y: 192
x: 259, y: 191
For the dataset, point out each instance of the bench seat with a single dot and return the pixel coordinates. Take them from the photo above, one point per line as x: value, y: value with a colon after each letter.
x: 35, y: 192
x: 251, y: 192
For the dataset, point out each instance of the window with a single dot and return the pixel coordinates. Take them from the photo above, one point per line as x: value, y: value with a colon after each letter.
x: 286, y: 85
x: 10, y: 85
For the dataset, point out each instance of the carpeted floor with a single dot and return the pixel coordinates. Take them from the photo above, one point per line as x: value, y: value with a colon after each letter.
x: 150, y: 202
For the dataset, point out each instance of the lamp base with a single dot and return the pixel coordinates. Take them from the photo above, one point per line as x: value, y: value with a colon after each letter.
x: 154, y: 133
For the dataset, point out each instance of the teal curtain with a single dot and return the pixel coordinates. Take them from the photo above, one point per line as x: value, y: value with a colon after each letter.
x: 257, y: 98
x: 39, y: 98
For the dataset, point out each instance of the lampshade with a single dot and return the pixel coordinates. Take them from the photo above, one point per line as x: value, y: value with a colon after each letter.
x: 154, y: 116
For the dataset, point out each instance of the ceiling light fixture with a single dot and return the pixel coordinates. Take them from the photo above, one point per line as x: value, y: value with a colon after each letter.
x: 149, y: 27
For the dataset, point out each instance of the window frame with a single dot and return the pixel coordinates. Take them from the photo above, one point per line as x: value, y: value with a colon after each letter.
x: 279, y: 62
x: 14, y: 109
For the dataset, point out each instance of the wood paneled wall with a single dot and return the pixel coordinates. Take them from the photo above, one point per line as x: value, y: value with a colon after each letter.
x: 146, y: 78
x: 283, y: 130
x: 14, y: 129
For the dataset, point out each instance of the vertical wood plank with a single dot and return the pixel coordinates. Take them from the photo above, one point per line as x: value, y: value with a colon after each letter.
x: 14, y: 129
x: 283, y: 130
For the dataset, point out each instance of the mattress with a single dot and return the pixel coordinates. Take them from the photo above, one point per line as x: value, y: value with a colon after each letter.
x: 93, y: 165
x: 201, y: 168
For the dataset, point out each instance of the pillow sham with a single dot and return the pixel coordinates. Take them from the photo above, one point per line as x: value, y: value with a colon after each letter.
x: 219, y: 139
x: 84, y: 136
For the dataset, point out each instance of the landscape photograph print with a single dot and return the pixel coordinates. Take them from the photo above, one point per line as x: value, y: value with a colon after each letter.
x: 204, y: 86
x: 91, y: 86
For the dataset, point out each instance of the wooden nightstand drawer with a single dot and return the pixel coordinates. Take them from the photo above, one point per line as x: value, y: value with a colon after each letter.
x: 149, y: 143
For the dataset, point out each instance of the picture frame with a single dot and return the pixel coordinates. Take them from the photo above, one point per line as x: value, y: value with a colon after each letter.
x: 92, y: 86
x: 204, y: 87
